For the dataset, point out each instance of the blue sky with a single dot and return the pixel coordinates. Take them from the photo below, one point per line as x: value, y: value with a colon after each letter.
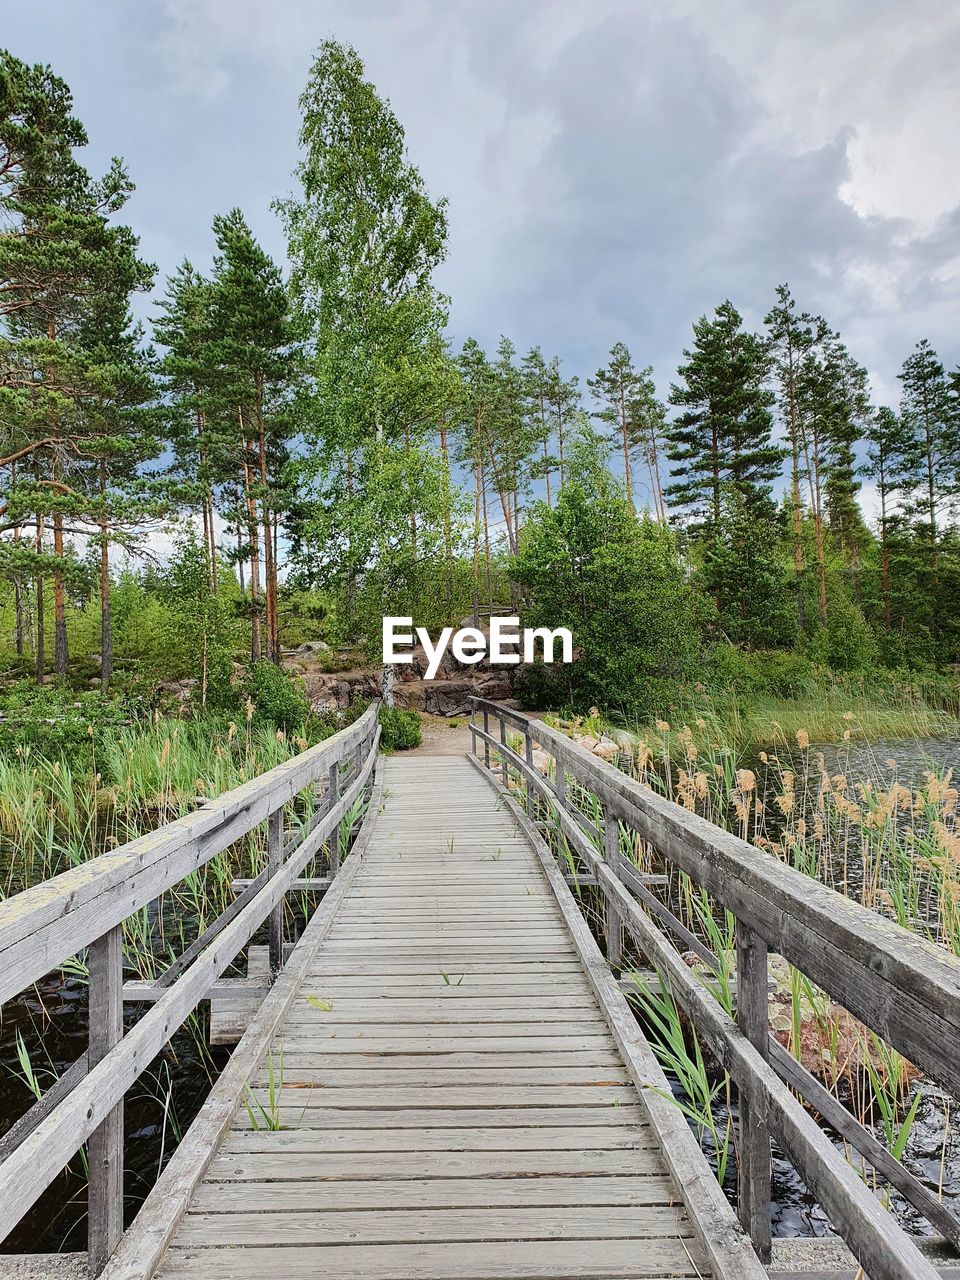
x: 613, y: 169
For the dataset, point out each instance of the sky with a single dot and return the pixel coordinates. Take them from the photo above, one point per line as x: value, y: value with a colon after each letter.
x: 614, y: 168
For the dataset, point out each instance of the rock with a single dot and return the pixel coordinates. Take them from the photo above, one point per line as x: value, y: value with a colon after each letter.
x: 312, y: 646
x: 606, y: 749
x: 585, y: 740
x: 541, y: 761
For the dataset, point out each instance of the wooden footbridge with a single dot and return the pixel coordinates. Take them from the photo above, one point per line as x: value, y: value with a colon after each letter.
x: 443, y: 1078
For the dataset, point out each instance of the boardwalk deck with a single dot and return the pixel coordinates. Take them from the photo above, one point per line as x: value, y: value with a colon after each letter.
x: 453, y: 1102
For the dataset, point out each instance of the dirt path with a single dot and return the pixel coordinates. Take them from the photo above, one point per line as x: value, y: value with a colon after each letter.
x: 442, y: 737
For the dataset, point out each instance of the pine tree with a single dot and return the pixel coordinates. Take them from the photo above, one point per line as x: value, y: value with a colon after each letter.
x: 634, y: 417
x: 886, y: 445
x: 790, y: 338
x: 563, y: 397
x: 931, y: 473
x: 723, y: 436
x: 60, y: 259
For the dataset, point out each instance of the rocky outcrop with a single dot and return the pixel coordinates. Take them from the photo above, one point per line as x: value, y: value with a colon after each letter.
x: 448, y: 694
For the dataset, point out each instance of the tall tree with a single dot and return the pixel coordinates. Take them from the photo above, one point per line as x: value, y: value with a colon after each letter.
x: 931, y: 471
x: 364, y: 241
x: 634, y: 416
x: 59, y: 259
x: 723, y: 434
x: 790, y: 337
x: 886, y: 444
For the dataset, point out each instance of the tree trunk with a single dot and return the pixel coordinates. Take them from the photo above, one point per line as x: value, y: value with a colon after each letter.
x: 40, y: 654
x: 253, y: 533
x: 624, y: 431
x: 17, y: 586
x: 106, y: 630
x: 60, y: 655
x: 447, y: 579
x: 269, y: 567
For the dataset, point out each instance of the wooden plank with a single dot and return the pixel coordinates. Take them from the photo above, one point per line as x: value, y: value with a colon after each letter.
x: 754, y: 1167
x: 486, y: 1137
x: 432, y: 1193
x: 140, y: 1250
x: 332, y: 1227
x: 520, y: 1260
x: 295, y: 1112
x: 903, y: 987
x: 275, y: 918
x: 586, y: 1163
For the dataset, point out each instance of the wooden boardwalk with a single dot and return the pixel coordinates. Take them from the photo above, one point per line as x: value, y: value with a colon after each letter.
x: 453, y: 1103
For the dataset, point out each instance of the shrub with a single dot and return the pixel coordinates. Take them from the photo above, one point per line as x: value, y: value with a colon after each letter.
x: 618, y: 584
x: 278, y: 699
x: 53, y: 720
x: 399, y: 729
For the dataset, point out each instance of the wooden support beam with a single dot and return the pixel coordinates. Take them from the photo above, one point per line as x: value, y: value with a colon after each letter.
x: 275, y: 919
x: 303, y: 884
x: 612, y: 920
x: 105, y: 1144
x: 753, y: 1157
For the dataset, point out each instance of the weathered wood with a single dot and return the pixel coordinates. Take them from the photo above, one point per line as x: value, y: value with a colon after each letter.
x: 753, y: 1155
x: 105, y: 1144
x: 303, y: 884
x: 519, y: 1259
x: 612, y: 923
x: 718, y: 1232
x: 139, y: 1252
x: 275, y: 918
x: 42, y: 926
x: 927, y: 1204
x: 884, y: 1250
x: 34, y: 1165
x: 21, y: 1128
x: 333, y: 793
x: 903, y: 987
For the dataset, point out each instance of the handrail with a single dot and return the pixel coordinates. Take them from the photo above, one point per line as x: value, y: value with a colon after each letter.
x: 86, y: 906
x: 905, y: 989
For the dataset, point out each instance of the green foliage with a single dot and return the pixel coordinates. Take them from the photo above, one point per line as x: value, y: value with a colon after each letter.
x: 618, y: 584
x: 278, y: 699
x: 399, y: 729
x: 55, y: 720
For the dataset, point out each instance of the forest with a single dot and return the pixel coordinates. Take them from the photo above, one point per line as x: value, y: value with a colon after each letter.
x: 323, y: 453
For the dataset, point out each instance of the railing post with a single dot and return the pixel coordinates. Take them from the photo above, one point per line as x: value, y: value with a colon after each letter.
x: 333, y: 795
x: 274, y: 860
x: 613, y: 921
x: 754, y: 1167
x: 504, y: 766
x: 531, y: 791
x: 105, y: 1146
x: 473, y: 725
x: 486, y: 744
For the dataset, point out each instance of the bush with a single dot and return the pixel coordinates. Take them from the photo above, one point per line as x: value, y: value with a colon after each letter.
x: 617, y: 582
x: 53, y: 720
x: 775, y: 672
x: 277, y: 698
x: 399, y: 730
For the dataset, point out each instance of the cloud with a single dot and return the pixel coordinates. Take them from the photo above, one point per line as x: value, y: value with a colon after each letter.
x: 613, y: 169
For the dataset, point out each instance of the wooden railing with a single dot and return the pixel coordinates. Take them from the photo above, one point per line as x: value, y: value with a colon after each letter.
x: 904, y: 989
x: 85, y: 908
